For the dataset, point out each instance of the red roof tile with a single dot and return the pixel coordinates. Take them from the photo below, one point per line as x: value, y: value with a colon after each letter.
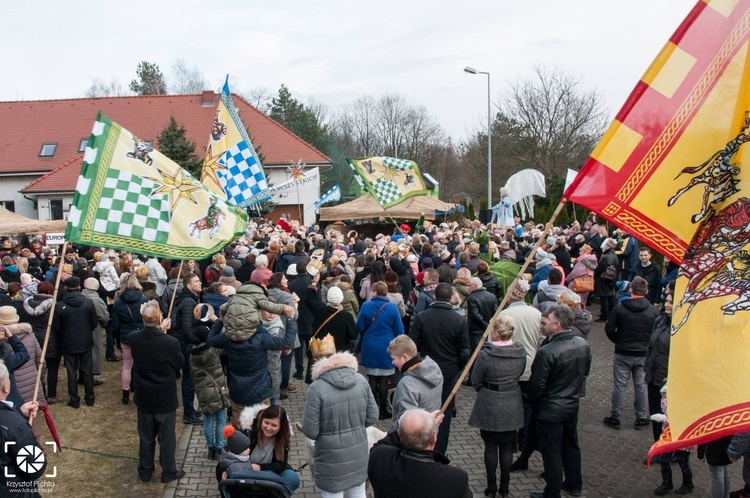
x: 62, y: 179
x: 26, y: 125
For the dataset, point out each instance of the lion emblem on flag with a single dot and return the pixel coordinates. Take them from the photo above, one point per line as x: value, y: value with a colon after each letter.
x: 218, y: 128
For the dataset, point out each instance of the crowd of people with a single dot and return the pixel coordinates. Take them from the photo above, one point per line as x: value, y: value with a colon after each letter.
x: 380, y: 328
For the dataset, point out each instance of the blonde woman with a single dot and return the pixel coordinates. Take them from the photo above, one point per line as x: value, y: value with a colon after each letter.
x: 126, y: 317
x: 498, y: 407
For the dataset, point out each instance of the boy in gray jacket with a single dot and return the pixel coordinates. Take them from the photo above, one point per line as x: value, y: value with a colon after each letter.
x: 422, y: 383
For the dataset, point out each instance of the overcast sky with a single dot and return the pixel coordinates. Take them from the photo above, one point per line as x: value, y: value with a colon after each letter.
x: 337, y: 51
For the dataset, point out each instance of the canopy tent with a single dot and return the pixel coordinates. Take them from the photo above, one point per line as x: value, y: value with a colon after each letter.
x: 366, y: 207
x: 11, y: 222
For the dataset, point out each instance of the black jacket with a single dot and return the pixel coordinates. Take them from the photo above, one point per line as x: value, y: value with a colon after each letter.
x: 126, y: 314
x: 481, y: 306
x: 604, y: 287
x: 442, y: 334
x: 74, y: 321
x: 657, y: 358
x: 305, y: 319
x: 396, y: 472
x: 16, y: 432
x: 342, y: 326
x: 630, y: 324
x: 183, y: 319
x: 156, y: 359
x: 491, y: 284
x: 557, y: 374
x: 652, y: 275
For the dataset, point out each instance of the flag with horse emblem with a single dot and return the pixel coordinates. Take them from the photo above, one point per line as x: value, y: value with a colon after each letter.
x: 131, y: 197
x: 671, y: 170
x: 389, y: 180
x: 231, y: 168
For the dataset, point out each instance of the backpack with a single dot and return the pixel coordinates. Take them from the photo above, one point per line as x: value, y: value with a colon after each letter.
x: 609, y: 274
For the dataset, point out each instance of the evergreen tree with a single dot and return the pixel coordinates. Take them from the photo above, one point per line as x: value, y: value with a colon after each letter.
x: 301, y: 121
x: 150, y: 80
x: 173, y: 143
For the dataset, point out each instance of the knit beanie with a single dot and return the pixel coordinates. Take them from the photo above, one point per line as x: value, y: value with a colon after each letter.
x: 237, y: 442
x: 227, y: 271
x: 335, y: 296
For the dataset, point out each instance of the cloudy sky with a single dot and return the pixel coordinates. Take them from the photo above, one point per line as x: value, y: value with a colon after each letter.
x: 336, y: 51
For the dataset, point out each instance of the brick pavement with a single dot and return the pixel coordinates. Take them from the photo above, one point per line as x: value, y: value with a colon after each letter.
x: 612, y: 459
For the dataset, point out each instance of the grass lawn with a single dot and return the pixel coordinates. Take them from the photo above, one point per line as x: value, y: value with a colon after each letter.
x: 108, y: 427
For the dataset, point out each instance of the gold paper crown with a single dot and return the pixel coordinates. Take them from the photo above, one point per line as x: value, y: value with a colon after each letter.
x: 321, y: 348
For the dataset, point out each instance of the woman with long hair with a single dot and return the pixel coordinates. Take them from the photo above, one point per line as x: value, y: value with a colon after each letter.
x: 584, y: 267
x: 498, y: 407
x: 126, y: 317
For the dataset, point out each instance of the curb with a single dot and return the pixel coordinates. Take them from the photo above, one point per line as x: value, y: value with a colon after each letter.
x: 180, y: 454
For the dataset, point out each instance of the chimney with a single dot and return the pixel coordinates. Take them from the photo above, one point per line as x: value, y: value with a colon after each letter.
x: 208, y: 99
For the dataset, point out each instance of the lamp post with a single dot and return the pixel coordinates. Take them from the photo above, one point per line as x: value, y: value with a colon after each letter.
x: 471, y: 70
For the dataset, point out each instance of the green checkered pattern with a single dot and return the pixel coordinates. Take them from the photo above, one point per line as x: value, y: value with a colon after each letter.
x: 387, y: 191
x: 399, y: 164
x: 127, y: 208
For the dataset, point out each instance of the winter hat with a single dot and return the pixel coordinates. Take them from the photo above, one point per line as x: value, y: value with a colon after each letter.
x: 550, y: 241
x: 335, y: 296
x: 411, y: 258
x: 227, y: 271
x: 231, y: 291
x: 540, y: 254
x: 8, y: 315
x: 90, y: 283
x: 261, y: 260
x: 45, y: 288
x: 237, y: 442
x: 420, y: 278
x: 292, y: 271
x: 242, y: 251
x: 427, y: 263
x: 26, y: 279
x: 623, y: 286
x: 72, y: 283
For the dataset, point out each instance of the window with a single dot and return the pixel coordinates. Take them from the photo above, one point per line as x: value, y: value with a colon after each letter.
x: 9, y: 205
x: 82, y: 145
x: 48, y: 149
x: 55, y: 209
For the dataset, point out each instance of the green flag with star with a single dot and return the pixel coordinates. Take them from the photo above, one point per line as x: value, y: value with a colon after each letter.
x: 389, y: 180
x: 131, y: 197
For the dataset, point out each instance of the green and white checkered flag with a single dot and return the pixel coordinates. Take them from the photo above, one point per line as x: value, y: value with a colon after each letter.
x: 390, y: 180
x: 131, y: 197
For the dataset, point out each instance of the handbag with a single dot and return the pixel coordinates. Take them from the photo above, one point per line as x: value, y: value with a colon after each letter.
x: 583, y: 283
x: 358, y: 349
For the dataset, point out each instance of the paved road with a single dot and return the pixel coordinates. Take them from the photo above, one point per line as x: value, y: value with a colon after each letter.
x: 612, y: 459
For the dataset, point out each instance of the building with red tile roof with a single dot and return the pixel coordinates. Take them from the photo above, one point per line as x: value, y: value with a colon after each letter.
x: 42, y: 142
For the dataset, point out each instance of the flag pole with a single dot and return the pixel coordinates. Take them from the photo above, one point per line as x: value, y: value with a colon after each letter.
x: 506, y: 297
x: 61, y: 259
x: 176, y: 283
x: 396, y: 224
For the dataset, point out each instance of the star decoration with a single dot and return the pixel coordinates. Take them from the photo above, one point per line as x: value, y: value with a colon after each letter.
x: 389, y: 173
x: 211, y: 166
x: 296, y: 170
x: 177, y: 186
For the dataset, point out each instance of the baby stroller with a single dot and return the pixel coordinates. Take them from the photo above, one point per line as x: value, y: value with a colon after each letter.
x: 248, y: 484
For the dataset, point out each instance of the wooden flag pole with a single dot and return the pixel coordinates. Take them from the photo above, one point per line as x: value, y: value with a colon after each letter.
x: 506, y: 297
x: 176, y: 283
x: 61, y: 259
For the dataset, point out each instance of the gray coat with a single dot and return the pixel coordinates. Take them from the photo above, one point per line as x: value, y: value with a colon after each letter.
x: 420, y: 387
x: 97, y: 355
x: 338, y: 409
x: 502, y: 410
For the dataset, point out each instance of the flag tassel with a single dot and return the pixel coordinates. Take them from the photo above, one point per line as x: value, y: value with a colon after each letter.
x: 500, y: 308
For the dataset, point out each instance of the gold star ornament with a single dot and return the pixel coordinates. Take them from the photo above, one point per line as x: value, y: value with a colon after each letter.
x: 177, y: 185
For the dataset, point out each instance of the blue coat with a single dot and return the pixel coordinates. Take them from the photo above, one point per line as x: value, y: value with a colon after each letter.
x: 380, y: 333
x: 249, y: 380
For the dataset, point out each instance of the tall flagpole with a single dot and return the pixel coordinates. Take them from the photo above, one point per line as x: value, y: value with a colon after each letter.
x: 506, y: 297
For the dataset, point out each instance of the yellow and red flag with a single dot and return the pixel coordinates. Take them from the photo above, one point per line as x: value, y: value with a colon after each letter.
x: 670, y: 170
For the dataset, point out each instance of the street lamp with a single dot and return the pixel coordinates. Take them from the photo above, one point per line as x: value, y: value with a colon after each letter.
x: 471, y: 70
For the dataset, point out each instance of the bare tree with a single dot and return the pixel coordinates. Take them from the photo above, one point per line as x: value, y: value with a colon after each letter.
x: 187, y: 80
x: 259, y: 97
x: 357, y: 126
x: 101, y: 88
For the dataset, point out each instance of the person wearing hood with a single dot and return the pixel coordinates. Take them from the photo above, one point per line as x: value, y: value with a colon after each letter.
x: 498, y: 407
x: 338, y: 409
x: 584, y: 267
x: 629, y: 327
x: 10, y: 272
x: 422, y: 383
x: 246, y: 351
x: 107, y: 275
x: 28, y: 285
x: 74, y: 321
x: 91, y: 291
x: 126, y: 318
x: 36, y: 310
x: 157, y: 274
x: 546, y: 297
x: 543, y: 266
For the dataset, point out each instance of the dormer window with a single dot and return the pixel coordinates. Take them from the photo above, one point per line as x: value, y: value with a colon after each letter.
x: 82, y: 145
x: 48, y: 149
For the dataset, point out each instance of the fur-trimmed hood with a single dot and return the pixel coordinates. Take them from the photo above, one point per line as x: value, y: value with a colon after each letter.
x: 344, y: 286
x: 19, y: 328
x: 339, y: 370
x: 248, y: 415
x: 38, y: 305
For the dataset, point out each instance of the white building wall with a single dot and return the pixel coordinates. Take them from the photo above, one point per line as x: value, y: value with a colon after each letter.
x: 10, y: 190
x: 307, y: 196
x: 45, y: 213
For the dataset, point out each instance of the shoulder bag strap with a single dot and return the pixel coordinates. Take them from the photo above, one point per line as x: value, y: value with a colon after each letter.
x: 324, y: 323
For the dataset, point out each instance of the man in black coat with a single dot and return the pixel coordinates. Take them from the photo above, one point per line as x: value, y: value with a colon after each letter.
x: 182, y: 313
x: 650, y: 272
x: 405, y: 463
x: 156, y: 360
x: 629, y: 326
x: 16, y: 435
x: 74, y: 322
x: 480, y: 306
x: 304, y: 320
x: 557, y: 374
x: 442, y: 334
